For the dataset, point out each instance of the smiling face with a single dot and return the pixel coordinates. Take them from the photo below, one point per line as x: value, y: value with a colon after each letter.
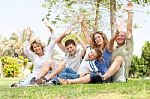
x: 92, y: 55
x: 70, y: 46
x: 71, y: 49
x: 121, y: 38
x: 98, y: 39
x: 37, y: 48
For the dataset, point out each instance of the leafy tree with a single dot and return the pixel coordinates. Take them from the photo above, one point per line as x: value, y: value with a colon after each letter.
x: 135, y: 61
x: 143, y: 2
x: 137, y: 68
x: 112, y: 15
x: 146, y: 55
x: 141, y: 66
x: 67, y: 11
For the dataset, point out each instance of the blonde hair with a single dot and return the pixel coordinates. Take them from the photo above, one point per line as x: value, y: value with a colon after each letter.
x: 38, y: 42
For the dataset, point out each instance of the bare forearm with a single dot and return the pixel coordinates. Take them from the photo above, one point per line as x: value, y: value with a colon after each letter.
x: 51, y: 30
x: 111, y: 42
x: 60, y: 38
x: 81, y: 42
x: 85, y: 31
x: 129, y: 24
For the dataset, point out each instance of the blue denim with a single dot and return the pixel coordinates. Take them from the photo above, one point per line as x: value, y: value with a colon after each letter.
x: 67, y: 73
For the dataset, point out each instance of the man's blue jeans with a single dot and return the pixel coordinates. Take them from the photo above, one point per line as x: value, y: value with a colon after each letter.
x: 67, y: 73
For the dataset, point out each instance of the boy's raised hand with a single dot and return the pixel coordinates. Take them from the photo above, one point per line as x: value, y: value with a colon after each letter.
x: 68, y: 31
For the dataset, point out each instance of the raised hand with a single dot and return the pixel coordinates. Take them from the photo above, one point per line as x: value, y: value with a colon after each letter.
x: 78, y: 34
x: 81, y: 17
x: 120, y: 26
x: 129, y: 6
x: 49, y: 26
x: 28, y: 32
x: 46, y: 24
x: 68, y: 31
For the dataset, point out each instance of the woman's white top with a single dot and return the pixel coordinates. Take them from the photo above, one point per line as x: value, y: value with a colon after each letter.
x: 37, y: 61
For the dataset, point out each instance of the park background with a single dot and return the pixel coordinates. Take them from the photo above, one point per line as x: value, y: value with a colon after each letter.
x: 19, y: 14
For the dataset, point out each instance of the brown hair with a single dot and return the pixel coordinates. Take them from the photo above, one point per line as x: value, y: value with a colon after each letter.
x: 70, y: 41
x: 99, y: 53
x: 37, y: 42
x: 104, y: 39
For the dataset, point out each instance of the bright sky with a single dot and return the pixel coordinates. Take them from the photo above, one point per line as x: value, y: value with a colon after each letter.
x: 18, y: 14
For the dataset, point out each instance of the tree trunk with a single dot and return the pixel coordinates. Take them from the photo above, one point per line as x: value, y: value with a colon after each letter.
x: 148, y: 70
x: 112, y: 15
x: 97, y: 15
x: 1, y: 70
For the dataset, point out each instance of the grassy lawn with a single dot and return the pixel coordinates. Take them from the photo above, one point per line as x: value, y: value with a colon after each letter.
x: 133, y: 89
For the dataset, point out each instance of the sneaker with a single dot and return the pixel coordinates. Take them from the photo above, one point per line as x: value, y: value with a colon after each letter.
x: 48, y: 83
x: 40, y: 81
x: 32, y: 82
x: 16, y: 85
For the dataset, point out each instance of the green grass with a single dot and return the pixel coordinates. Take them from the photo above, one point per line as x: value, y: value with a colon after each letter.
x: 133, y: 89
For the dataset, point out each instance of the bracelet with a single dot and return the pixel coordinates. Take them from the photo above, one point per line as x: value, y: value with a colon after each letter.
x: 129, y: 11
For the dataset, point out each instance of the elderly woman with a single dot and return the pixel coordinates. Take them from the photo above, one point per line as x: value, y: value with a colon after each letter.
x: 38, y: 54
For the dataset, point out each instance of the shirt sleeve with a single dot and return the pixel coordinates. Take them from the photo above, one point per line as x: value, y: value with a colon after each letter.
x: 51, y: 44
x: 88, y: 49
x: 27, y: 50
x: 129, y: 44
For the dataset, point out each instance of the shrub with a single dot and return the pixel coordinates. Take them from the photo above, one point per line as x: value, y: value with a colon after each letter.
x: 11, y: 66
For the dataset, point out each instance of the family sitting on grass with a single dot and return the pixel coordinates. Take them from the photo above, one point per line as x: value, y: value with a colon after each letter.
x: 98, y: 61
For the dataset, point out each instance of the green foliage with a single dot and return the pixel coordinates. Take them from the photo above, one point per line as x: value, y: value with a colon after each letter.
x: 137, y: 68
x: 31, y: 67
x: 73, y: 36
x: 12, y: 45
x: 146, y: 52
x: 67, y: 11
x: 146, y: 55
x: 141, y: 66
x: 25, y: 60
x: 11, y: 66
x: 143, y: 2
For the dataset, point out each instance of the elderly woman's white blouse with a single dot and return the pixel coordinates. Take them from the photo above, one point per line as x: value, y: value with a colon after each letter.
x: 37, y: 61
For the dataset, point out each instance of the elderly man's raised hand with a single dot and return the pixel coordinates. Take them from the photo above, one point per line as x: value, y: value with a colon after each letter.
x: 129, y: 6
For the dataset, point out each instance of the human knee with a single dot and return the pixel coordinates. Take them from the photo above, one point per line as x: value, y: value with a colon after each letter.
x: 49, y: 64
x: 50, y: 61
x: 62, y: 64
x: 117, y: 62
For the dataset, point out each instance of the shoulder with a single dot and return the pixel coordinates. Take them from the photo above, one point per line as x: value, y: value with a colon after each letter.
x: 106, y: 51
